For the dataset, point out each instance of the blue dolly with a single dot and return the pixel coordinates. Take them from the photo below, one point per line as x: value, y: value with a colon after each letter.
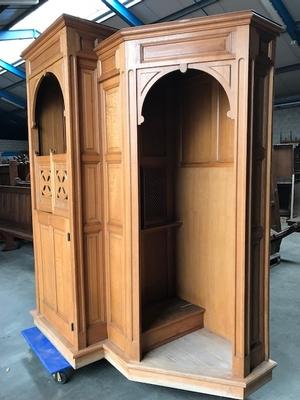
x: 51, y: 359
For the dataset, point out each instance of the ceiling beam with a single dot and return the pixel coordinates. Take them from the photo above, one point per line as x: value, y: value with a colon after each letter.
x: 15, y: 84
x: 18, y: 34
x: 291, y: 25
x: 27, y: 10
x: 287, y: 102
x: 123, y: 12
x: 12, y: 99
x: 199, y: 4
x: 12, y: 69
x: 287, y: 68
x: 12, y: 117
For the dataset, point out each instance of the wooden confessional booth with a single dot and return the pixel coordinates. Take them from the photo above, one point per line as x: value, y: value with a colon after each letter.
x: 151, y: 165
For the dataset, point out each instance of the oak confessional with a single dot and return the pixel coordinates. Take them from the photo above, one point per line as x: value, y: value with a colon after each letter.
x: 151, y: 173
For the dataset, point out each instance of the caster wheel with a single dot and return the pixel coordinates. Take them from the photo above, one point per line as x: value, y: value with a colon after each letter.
x: 60, y: 377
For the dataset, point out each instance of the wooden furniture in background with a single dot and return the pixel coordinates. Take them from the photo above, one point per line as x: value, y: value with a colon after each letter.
x: 19, y: 171
x: 275, y: 222
x: 15, y: 204
x: 15, y: 215
x: 12, y: 170
x: 151, y: 197
x: 286, y: 171
x: 4, y: 174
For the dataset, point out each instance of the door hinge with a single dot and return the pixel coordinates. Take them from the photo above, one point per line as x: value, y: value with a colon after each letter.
x: 68, y: 236
x: 72, y: 326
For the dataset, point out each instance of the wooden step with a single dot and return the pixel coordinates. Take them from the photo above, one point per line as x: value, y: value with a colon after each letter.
x: 169, y: 319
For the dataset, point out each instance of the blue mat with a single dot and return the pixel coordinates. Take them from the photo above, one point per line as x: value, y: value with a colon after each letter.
x: 51, y: 359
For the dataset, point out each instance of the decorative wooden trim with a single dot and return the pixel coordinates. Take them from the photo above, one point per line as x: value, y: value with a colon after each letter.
x: 229, y: 387
x: 191, y: 25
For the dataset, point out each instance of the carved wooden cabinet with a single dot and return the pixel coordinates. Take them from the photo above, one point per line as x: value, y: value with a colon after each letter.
x: 151, y: 217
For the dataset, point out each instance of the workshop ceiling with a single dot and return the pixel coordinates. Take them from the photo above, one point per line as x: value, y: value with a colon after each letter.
x: 287, y: 76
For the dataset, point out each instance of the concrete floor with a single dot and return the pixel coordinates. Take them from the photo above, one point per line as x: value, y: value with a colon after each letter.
x: 22, y: 377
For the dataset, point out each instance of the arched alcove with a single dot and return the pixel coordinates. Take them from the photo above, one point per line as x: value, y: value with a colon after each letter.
x: 186, y: 159
x: 49, y: 116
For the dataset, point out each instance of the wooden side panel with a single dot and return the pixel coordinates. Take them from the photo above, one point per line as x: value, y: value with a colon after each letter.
x: 214, y: 46
x: 197, y: 114
x: 90, y: 140
x: 117, y: 282
x: 226, y: 128
x: 93, y: 248
x: 64, y: 316
x: 92, y: 204
x: 63, y: 273
x: 258, y: 212
x: 91, y: 176
x: 205, y: 244
x: 114, y: 186
x: 48, y: 271
x: 154, y: 265
x: 113, y: 122
x: 116, y: 275
x: 94, y: 280
x: 157, y: 265
x: 207, y: 131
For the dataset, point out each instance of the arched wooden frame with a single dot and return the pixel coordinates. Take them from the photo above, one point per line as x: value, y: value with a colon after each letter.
x: 48, y: 116
x: 190, y: 130
x: 147, y: 78
x: 222, y: 123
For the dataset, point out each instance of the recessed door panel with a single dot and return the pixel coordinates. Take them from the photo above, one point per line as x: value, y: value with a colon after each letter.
x: 57, y: 299
x: 48, y: 272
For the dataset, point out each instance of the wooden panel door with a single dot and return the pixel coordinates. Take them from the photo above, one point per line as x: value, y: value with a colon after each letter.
x: 52, y: 203
x: 56, y: 280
